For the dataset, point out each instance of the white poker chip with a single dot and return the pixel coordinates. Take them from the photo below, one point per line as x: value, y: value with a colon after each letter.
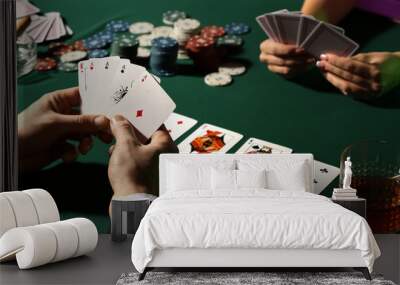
x: 73, y: 56
x: 162, y: 31
x: 182, y: 54
x: 145, y: 40
x: 140, y: 28
x: 217, y: 79
x: 232, y: 68
x: 143, y: 52
x: 187, y: 24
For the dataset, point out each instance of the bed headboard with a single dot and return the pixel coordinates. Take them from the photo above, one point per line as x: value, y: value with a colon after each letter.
x: 211, y: 159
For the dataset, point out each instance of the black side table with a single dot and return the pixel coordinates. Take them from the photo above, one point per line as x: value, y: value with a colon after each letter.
x: 126, y: 214
x: 357, y: 205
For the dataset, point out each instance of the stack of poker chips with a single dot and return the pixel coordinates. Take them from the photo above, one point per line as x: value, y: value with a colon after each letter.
x: 230, y: 44
x: 170, y: 17
x: 184, y: 29
x: 125, y: 46
x: 344, y: 194
x: 163, y: 56
x: 203, y: 52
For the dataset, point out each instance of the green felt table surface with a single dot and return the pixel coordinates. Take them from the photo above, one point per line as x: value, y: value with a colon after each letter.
x: 305, y: 114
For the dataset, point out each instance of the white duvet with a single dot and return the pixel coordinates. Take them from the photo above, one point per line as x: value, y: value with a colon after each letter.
x: 250, y: 219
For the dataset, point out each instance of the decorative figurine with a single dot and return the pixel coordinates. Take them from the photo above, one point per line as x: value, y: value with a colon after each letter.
x: 348, y: 173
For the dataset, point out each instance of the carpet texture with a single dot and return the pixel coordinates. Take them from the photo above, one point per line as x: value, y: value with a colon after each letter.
x: 244, y: 278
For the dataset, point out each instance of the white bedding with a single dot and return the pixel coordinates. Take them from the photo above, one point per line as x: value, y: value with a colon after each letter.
x: 251, y: 218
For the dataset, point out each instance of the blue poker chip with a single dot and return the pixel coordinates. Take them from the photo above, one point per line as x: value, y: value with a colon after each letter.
x: 164, y: 43
x: 106, y: 35
x: 117, y: 26
x: 97, y: 53
x: 94, y: 42
x: 237, y: 29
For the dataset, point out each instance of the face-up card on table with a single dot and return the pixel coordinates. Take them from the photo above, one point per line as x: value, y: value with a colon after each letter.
x: 178, y: 124
x: 324, y: 174
x: 253, y: 145
x: 209, y: 139
x: 288, y: 25
x: 146, y: 105
x: 324, y: 39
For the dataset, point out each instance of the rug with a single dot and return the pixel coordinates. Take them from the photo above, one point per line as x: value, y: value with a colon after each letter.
x: 244, y: 278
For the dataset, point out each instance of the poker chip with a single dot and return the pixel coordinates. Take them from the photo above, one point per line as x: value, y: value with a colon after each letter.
x: 162, y: 31
x: 94, y: 43
x: 79, y: 45
x: 67, y: 66
x: 217, y: 79
x: 232, y: 68
x: 171, y: 16
x: 163, y: 56
x: 143, y: 52
x: 97, y: 53
x: 73, y: 56
x: 182, y: 54
x: 107, y: 36
x: 45, y: 64
x: 125, y: 47
x: 213, y: 31
x: 230, y: 40
x: 58, y: 49
x: 145, y: 40
x: 184, y: 29
x: 117, y: 26
x: 140, y: 28
x: 237, y: 28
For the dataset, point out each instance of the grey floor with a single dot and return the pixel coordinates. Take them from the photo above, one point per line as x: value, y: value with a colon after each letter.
x: 103, y: 266
x: 106, y: 264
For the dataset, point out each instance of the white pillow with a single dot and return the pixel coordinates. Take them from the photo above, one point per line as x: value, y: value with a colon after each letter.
x: 223, y: 179
x: 237, y: 179
x: 285, y: 174
x: 187, y: 176
x: 251, y: 178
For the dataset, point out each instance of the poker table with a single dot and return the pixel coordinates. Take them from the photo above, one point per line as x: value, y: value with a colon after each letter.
x: 305, y: 114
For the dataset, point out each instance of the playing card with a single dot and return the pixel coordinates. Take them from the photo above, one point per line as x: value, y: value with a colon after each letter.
x: 24, y: 8
x: 270, y: 18
x: 324, y: 174
x: 288, y: 25
x: 307, y: 25
x: 146, y: 105
x: 262, y: 21
x: 324, y: 39
x: 127, y: 75
x: 253, y: 145
x: 177, y: 125
x: 209, y: 139
x: 54, y: 31
x: 94, y: 77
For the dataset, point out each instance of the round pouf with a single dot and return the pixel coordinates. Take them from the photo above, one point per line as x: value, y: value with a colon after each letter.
x: 163, y: 55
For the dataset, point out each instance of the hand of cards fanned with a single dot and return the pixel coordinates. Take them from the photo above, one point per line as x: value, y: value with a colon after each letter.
x: 111, y: 86
x: 305, y: 31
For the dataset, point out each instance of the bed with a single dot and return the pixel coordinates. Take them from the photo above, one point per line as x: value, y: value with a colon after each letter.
x: 247, y: 211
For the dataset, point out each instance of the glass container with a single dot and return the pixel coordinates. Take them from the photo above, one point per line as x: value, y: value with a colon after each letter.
x: 26, y: 54
x: 376, y: 176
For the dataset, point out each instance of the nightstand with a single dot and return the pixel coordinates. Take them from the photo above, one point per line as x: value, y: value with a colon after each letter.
x: 357, y: 205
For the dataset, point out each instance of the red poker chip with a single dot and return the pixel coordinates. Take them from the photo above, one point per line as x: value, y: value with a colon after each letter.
x: 197, y: 43
x: 78, y: 45
x: 213, y: 31
x: 45, y: 64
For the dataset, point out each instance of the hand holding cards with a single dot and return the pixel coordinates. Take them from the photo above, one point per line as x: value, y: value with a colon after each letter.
x: 112, y: 86
x: 306, y: 32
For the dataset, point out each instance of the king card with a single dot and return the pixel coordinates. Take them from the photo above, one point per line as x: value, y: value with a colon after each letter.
x: 209, y: 139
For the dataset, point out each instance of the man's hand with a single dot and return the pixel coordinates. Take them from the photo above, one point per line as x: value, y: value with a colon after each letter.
x: 133, y: 166
x: 286, y: 60
x: 368, y: 75
x: 47, y: 127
